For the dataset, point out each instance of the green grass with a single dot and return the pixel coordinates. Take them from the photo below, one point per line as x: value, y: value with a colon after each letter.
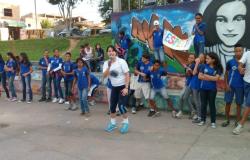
x: 104, y: 40
x: 34, y: 48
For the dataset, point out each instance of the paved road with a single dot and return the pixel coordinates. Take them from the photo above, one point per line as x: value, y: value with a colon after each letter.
x: 45, y: 131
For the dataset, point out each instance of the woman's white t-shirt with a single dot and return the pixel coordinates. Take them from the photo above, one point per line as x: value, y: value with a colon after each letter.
x: 245, y: 59
x: 117, y: 71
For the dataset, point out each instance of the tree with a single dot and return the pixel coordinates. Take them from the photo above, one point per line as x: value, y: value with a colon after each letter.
x: 46, y: 24
x: 66, y: 9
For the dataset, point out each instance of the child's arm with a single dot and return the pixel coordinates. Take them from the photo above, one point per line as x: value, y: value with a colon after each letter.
x: 211, y: 78
x: 241, y: 68
x: 197, y: 62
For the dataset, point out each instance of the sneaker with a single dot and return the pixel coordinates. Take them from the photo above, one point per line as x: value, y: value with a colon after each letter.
x: 124, y: 128
x: 118, y: 113
x: 225, y: 124
x: 61, y: 101
x: 42, y: 99
x: 179, y: 114
x: 74, y: 107
x: 66, y: 102
x: 238, y: 129
x: 29, y: 101
x: 68, y: 107
x: 133, y: 110
x: 48, y: 100
x: 55, y: 100
x: 13, y: 99
x: 174, y: 114
x: 236, y: 123
x: 110, y: 127
x: 195, y: 117
x: 92, y: 103
x: 213, y: 125
x: 151, y: 113
x: 197, y: 120
x: 202, y: 123
x: 157, y: 114
x: 22, y: 100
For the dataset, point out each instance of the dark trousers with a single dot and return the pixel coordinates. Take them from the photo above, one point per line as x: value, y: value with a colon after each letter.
x: 4, y: 84
x: 208, y: 98
x: 26, y: 83
x: 44, y: 82
x: 68, y: 88
x: 117, y: 98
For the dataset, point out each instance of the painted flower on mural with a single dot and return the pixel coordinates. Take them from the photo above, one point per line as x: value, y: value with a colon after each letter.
x: 141, y: 30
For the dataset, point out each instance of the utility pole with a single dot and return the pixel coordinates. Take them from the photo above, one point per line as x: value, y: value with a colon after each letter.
x: 129, y: 5
x: 117, y: 7
x: 35, y: 13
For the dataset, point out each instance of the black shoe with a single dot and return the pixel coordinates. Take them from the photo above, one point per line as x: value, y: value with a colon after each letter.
x: 197, y: 120
x: 22, y: 100
x: 140, y: 107
x: 118, y: 113
x: 225, y: 124
x: 42, y: 99
x: 82, y: 113
x: 48, y: 100
x: 151, y: 113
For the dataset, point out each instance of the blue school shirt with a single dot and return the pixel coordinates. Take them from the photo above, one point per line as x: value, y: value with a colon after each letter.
x: 24, y: 68
x: 209, y: 85
x: 156, y: 80
x: 43, y: 63
x: 68, y: 67
x: 199, y: 38
x: 11, y: 64
x: 144, y: 68
x: 94, y: 80
x: 189, y: 78
x: 124, y: 42
x: 195, y: 81
x: 157, y: 38
x: 2, y: 63
x: 235, y: 79
x: 82, y: 80
x: 55, y: 61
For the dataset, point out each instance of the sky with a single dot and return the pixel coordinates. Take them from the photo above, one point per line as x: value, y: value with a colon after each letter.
x: 84, y: 9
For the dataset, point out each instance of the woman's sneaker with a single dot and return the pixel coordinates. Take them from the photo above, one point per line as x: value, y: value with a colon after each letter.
x: 174, y: 114
x: 225, y: 124
x: 133, y: 110
x: 238, y: 129
x: 74, y: 107
x: 157, y: 114
x: 111, y: 127
x: 124, y: 128
x: 13, y: 99
x: 22, y: 100
x: 213, y: 125
x: 151, y: 113
x: 179, y: 114
x: 55, y: 100
x: 61, y: 101
x: 202, y: 123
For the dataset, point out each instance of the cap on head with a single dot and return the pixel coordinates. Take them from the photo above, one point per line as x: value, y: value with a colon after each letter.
x: 156, y: 23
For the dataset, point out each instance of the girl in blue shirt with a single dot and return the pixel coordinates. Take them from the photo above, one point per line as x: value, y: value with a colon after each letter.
x: 82, y: 78
x: 11, y: 69
x: 209, y: 74
x: 3, y: 77
x: 25, y: 74
x: 68, y: 75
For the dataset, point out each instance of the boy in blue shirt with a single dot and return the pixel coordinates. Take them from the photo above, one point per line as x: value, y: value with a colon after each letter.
x: 157, y: 85
x: 124, y: 43
x: 234, y: 86
x: 68, y: 74
x: 199, y: 31
x: 43, y: 65
x: 93, y: 86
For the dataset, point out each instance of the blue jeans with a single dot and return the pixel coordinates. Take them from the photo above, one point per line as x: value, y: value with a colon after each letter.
x: 159, y: 54
x: 83, y: 95
x: 49, y: 79
x: 68, y: 88
x: 199, y: 48
x: 4, y: 85
x: 57, y: 86
x: 26, y: 82
x: 12, y: 86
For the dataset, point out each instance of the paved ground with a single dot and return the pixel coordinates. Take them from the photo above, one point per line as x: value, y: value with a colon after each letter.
x: 42, y: 131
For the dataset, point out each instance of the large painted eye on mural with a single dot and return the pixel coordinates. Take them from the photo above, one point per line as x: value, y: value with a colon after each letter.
x: 227, y: 23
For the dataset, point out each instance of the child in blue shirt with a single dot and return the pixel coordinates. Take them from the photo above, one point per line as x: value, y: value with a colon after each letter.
x: 187, y: 92
x: 3, y: 77
x: 54, y: 70
x: 82, y: 78
x: 209, y: 74
x: 43, y: 65
x: 11, y: 68
x: 25, y: 73
x: 93, y: 87
x: 68, y: 74
x: 157, y: 86
x: 234, y: 86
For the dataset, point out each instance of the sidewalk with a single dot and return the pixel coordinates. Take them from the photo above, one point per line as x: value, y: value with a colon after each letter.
x: 45, y: 131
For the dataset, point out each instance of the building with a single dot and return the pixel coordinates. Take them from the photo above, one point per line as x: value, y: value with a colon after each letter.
x: 10, y: 23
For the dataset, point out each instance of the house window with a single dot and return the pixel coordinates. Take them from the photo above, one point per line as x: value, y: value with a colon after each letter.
x: 7, y: 12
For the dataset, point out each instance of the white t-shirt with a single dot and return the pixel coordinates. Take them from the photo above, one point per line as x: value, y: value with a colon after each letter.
x: 245, y: 59
x: 117, y: 71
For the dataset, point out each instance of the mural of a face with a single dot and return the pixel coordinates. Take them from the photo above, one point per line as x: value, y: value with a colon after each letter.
x: 231, y: 26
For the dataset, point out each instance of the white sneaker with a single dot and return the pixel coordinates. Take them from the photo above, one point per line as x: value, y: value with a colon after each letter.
x: 55, y: 100
x: 213, y: 125
x: 74, y: 107
x: 68, y: 106
x: 67, y: 103
x: 13, y: 99
x: 202, y: 123
x: 238, y: 129
x: 174, y: 114
x: 179, y: 114
x: 195, y: 117
x: 133, y: 110
x: 92, y: 103
x: 61, y: 101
